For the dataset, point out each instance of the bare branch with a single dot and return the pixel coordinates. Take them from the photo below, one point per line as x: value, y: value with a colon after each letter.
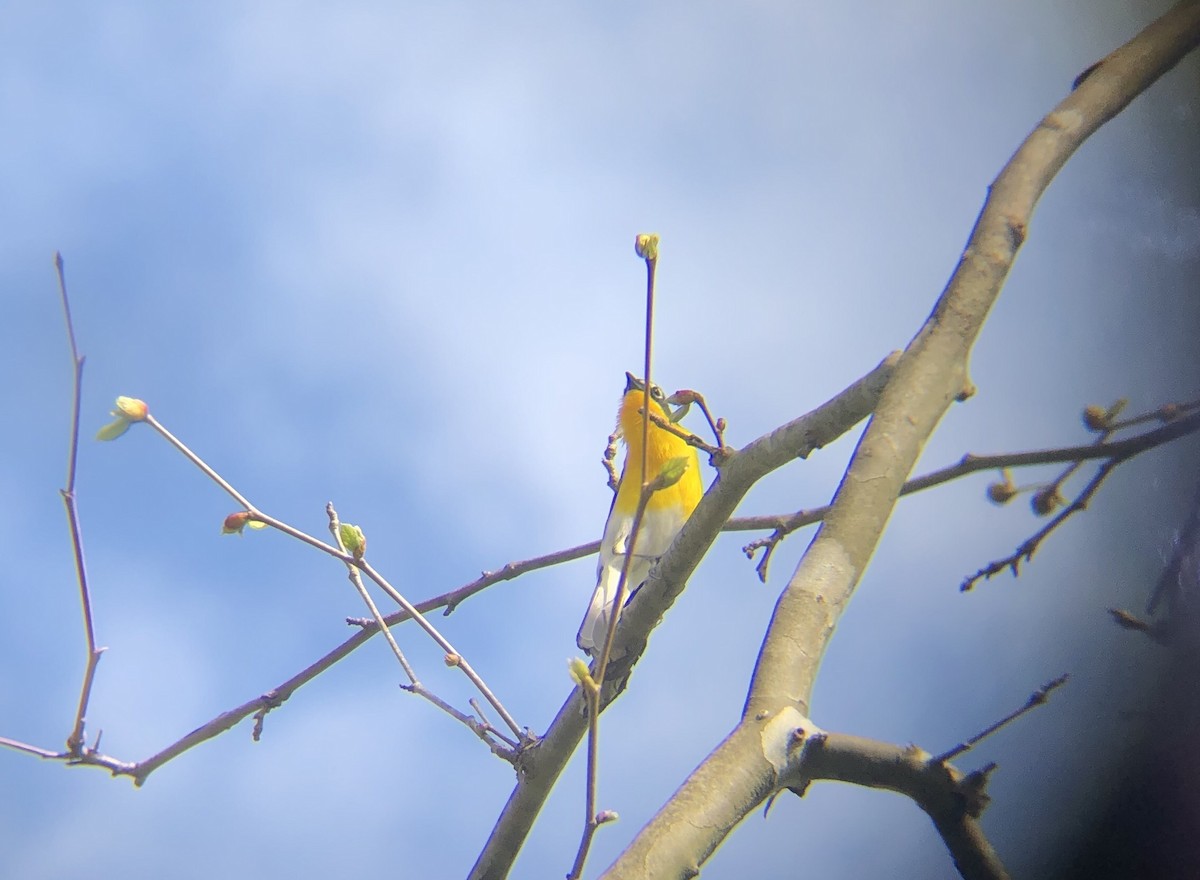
x: 482, y: 730
x: 969, y: 464
x: 952, y: 799
x: 931, y: 374
x: 354, y: 561
x: 716, y: 454
x: 1037, y: 698
x: 647, y: 248
x: 355, y: 579
x: 684, y: 398
x: 78, y: 735
x: 610, y: 455
x: 453, y: 654
x: 260, y: 706
x: 1025, y: 552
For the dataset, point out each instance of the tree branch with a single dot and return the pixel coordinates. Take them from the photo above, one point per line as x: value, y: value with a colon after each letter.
x: 540, y: 766
x: 930, y: 375
x: 953, y: 800
x: 77, y: 739
x: 261, y: 705
x: 969, y: 464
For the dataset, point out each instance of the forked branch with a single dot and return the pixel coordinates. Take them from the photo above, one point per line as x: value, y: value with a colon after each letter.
x: 931, y: 374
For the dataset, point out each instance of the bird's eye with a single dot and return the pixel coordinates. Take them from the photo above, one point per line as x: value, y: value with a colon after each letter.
x: 657, y: 393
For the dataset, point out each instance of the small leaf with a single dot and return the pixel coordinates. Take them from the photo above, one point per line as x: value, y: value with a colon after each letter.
x: 353, y: 540
x: 113, y: 429
x: 128, y: 411
x: 672, y: 471
x: 679, y: 412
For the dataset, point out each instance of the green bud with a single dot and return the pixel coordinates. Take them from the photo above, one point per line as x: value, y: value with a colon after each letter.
x: 353, y: 540
x: 580, y: 673
x: 113, y: 429
x: 672, y: 471
x: 646, y: 246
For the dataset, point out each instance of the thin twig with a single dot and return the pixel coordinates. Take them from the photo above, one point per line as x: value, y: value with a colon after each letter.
x: 78, y: 736
x: 1168, y: 412
x: 356, y: 579
x: 274, y: 698
x: 647, y: 249
x: 486, y: 725
x: 610, y: 455
x: 507, y: 572
x: 592, y: 691
x: 77, y: 368
x: 349, y: 560
x: 255, y: 515
x: 716, y: 452
x: 1036, y: 699
x: 39, y: 752
x: 199, y: 462
x: 451, y: 599
x: 589, y: 802
x: 444, y: 643
x: 684, y: 398
x: 483, y: 731
x: 968, y: 464
x: 511, y: 570
x: 1029, y: 546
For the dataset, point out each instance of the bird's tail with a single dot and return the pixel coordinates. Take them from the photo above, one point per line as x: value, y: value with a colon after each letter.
x: 594, y: 628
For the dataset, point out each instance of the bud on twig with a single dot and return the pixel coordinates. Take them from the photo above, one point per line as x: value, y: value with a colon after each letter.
x: 646, y: 246
x: 1045, y: 500
x: 1002, y: 492
x: 353, y: 540
x: 236, y: 522
x: 128, y: 411
x: 580, y: 674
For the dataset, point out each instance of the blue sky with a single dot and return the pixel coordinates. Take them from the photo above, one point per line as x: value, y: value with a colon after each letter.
x: 382, y: 255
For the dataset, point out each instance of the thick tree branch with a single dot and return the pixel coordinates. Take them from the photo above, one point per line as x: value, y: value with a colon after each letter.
x: 952, y: 800
x: 930, y: 375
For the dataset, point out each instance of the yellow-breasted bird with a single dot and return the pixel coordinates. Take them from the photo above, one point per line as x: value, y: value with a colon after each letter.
x: 666, y: 512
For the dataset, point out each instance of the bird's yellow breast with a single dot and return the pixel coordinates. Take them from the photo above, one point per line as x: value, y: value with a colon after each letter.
x: 662, y: 447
